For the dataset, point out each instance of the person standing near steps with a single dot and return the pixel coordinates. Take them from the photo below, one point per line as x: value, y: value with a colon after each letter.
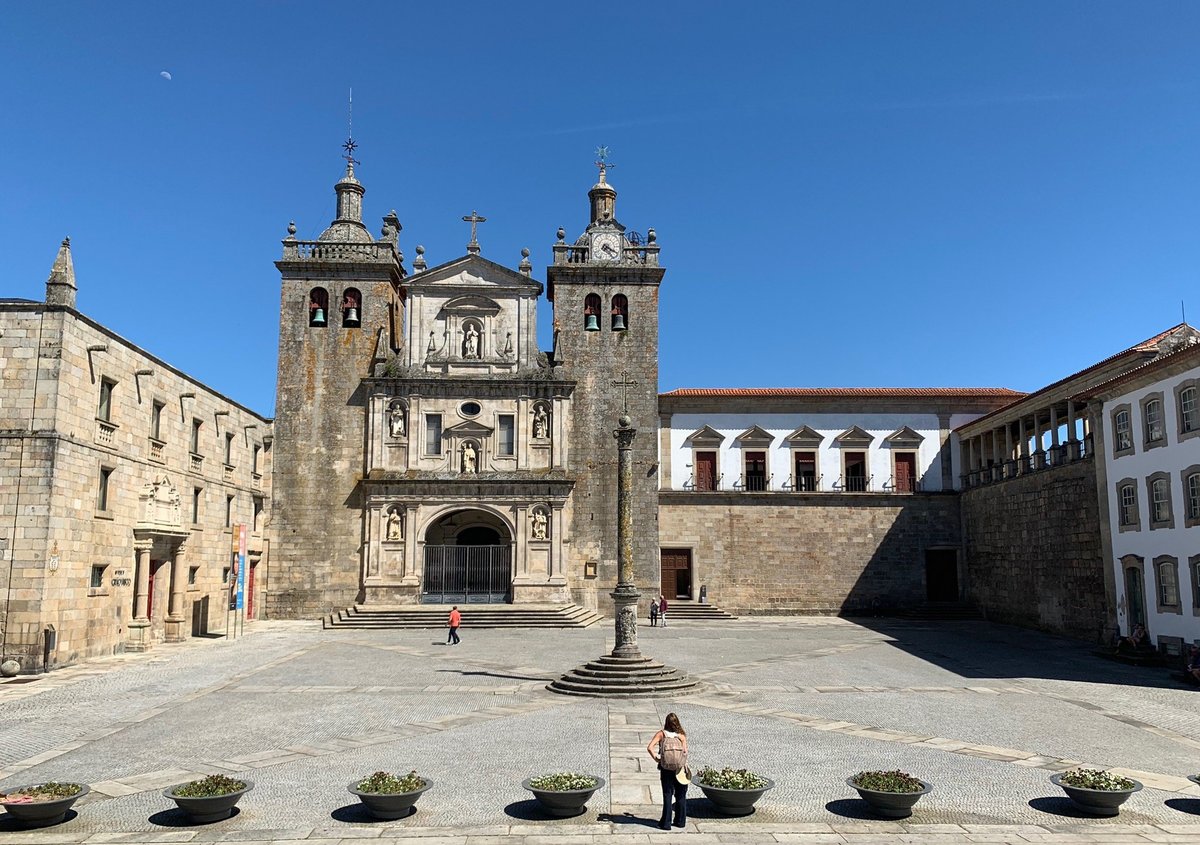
x: 455, y: 621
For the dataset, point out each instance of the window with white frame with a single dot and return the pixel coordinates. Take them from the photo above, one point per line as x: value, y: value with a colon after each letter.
x: 1129, y: 505
x: 1189, y: 409
x: 1152, y: 418
x: 1166, y: 574
x: 1160, y: 500
x: 1123, y: 436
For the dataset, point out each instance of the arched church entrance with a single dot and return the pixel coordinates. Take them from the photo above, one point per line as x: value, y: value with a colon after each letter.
x: 468, y: 559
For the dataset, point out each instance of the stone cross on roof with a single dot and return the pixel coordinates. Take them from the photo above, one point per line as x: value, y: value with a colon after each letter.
x: 474, y: 219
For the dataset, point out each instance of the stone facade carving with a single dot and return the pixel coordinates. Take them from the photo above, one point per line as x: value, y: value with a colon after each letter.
x: 539, y: 525
x: 541, y: 423
x: 393, y: 525
x: 396, y: 426
x: 160, y: 504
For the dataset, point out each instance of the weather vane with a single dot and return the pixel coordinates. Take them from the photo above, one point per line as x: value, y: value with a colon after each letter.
x: 602, y: 161
x: 350, y: 146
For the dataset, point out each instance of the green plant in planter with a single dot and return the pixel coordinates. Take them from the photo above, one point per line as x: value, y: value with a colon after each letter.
x: 893, y: 781
x: 50, y: 791
x: 562, y: 782
x: 385, y: 783
x: 210, y: 787
x: 728, y: 778
x: 1096, y: 779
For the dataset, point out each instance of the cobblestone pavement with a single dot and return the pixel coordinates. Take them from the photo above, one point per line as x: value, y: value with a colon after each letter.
x: 985, y: 713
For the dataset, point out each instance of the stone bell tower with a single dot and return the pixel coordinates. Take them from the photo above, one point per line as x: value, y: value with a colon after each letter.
x: 341, y: 315
x: 604, y: 288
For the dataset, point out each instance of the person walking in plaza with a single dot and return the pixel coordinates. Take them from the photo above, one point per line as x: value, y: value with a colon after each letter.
x: 669, y: 748
x: 455, y: 621
x: 653, y: 612
x: 662, y: 610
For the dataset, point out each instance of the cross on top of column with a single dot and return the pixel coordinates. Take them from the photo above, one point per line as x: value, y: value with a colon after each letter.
x: 625, y: 383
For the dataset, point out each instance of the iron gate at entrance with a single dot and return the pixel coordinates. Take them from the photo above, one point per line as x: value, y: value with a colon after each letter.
x: 467, y: 574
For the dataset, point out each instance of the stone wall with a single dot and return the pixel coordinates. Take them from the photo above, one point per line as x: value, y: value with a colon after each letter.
x: 797, y: 553
x: 1033, y: 551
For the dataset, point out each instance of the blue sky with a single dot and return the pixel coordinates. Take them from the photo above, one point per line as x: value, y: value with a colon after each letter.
x: 845, y: 193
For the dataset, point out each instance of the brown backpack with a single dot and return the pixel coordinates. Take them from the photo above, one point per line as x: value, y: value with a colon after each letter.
x: 671, y: 755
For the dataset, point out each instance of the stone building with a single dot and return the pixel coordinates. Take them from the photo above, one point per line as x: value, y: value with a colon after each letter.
x: 121, y: 479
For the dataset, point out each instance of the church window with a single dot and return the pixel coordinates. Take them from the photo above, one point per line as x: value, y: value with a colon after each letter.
x: 156, y: 410
x: 591, y: 312
x: 1160, y: 500
x: 102, y: 489
x: 756, y: 471
x: 856, y: 472
x: 806, y: 472
x: 1166, y: 573
x: 318, y: 307
x: 1152, y: 417
x: 1188, y: 400
x: 620, y: 313
x: 507, y: 430
x: 229, y: 449
x: 433, y: 434
x: 195, y: 443
x: 1123, y: 436
x: 351, y: 308
x: 104, y: 412
x: 706, y: 472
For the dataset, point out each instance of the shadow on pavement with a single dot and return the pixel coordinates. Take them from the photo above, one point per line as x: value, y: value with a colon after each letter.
x: 990, y: 650
x: 531, y: 811
x: 627, y: 819
x: 357, y: 814
x: 501, y: 675
x: 178, y: 818
x: 1184, y: 805
x: 1059, y: 806
x: 852, y: 808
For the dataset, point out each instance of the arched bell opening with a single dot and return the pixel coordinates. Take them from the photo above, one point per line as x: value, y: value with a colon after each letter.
x: 620, y: 313
x: 351, y: 308
x: 468, y: 559
x: 318, y: 307
x: 591, y: 312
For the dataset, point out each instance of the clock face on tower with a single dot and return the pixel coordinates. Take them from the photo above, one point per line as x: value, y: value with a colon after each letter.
x: 606, y: 246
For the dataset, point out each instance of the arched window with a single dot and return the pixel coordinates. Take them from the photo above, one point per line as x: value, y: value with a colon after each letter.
x: 351, y: 308
x: 591, y: 312
x: 1167, y: 570
x: 620, y: 313
x: 318, y: 306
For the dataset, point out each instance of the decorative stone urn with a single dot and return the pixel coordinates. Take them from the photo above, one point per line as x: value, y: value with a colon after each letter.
x: 890, y: 805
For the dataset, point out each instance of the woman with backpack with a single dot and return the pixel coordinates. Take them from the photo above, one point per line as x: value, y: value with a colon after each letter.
x: 669, y: 749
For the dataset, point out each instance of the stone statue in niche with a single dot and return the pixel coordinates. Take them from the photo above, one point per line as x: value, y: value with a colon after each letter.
x: 541, y: 422
x: 394, y: 525
x: 539, y: 524
x: 471, y: 342
x: 396, y: 420
x: 468, y: 458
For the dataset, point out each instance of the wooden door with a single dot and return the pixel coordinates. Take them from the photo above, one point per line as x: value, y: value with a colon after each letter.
x: 154, y: 565
x: 706, y: 471
x: 1135, y: 597
x: 250, y: 592
x: 906, y: 472
x: 676, y: 569
x: 756, y: 471
x: 856, y: 471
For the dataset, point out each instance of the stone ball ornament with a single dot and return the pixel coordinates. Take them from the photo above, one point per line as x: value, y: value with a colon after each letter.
x: 525, y: 252
x: 291, y: 230
x: 9, y: 668
x: 625, y: 421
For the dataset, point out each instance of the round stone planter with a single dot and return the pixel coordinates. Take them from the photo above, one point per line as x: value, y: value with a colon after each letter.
x: 566, y: 803
x: 734, y: 802
x: 890, y: 805
x: 41, y: 813
x: 211, y: 809
x: 1096, y: 802
x: 1194, y: 779
x: 389, y: 806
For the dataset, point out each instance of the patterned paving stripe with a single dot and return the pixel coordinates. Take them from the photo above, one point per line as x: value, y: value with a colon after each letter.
x: 793, y: 656
x: 1154, y: 780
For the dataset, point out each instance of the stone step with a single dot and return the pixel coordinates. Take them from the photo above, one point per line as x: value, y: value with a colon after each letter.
x: 474, y: 616
x: 681, y: 609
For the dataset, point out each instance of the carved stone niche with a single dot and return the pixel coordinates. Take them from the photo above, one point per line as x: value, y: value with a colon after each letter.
x: 159, y: 506
x: 396, y: 420
x: 540, y: 429
x: 539, y: 524
x: 393, y: 524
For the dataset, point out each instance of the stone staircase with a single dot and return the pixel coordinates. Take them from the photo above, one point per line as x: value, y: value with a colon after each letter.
x: 362, y: 617
x: 691, y: 611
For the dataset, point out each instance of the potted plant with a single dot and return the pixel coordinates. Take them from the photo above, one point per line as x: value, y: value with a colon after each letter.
x: 1095, y: 792
x: 389, y: 797
x: 733, y: 791
x: 889, y: 794
x: 209, y: 799
x: 563, y: 794
x: 41, y: 804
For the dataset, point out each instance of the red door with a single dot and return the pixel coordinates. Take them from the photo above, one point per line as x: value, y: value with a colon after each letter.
x: 676, y: 568
x: 250, y: 592
x: 150, y: 590
x: 706, y: 471
x: 906, y: 472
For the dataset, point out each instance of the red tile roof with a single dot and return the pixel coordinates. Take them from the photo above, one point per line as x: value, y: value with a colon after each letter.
x: 840, y: 392
x: 1184, y: 354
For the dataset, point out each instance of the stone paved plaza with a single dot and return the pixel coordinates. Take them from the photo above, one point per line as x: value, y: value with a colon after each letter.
x: 984, y: 712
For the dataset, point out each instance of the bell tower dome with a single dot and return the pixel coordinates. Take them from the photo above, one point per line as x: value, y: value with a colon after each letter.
x: 604, y: 199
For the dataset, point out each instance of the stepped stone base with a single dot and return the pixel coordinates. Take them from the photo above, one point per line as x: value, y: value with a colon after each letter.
x: 624, y: 677
x: 473, y: 616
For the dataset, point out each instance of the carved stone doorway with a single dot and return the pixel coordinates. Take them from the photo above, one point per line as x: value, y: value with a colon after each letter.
x: 676, y: 569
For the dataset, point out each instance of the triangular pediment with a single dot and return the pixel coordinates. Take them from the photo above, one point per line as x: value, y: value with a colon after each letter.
x: 854, y: 436
x: 468, y: 428
x: 479, y: 306
x: 804, y: 438
x: 473, y: 271
x: 705, y: 436
x: 755, y: 436
x: 904, y: 437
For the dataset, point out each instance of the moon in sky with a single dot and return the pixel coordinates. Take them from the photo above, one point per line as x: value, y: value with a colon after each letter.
x: 165, y: 75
